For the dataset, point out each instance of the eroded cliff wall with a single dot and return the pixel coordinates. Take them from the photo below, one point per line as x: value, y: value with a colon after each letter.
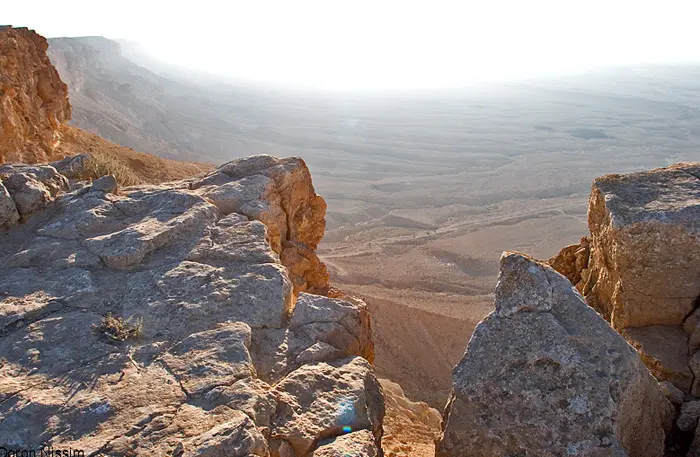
x: 33, y: 99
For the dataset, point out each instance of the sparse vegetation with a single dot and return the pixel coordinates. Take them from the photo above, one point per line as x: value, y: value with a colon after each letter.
x: 99, y: 165
x: 129, y: 167
x: 118, y: 329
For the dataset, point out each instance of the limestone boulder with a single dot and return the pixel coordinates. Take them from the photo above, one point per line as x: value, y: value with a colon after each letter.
x: 31, y: 187
x: 545, y: 375
x: 342, y: 324
x: 320, y: 401
x: 645, y: 246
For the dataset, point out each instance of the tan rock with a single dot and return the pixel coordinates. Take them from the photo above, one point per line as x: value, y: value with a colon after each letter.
x: 279, y: 193
x: 33, y: 99
x: 572, y: 261
x: 325, y: 400
x: 410, y: 428
x: 420, y: 412
x: 645, y: 253
x: 343, y: 324
x: 544, y: 375
x: 360, y: 443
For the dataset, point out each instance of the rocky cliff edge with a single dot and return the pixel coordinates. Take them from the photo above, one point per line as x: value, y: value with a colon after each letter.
x: 175, y: 319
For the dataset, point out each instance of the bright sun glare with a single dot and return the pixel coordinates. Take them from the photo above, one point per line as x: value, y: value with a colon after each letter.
x: 382, y: 44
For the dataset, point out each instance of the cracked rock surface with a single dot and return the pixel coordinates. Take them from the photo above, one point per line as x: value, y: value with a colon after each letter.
x: 233, y: 357
x: 545, y: 375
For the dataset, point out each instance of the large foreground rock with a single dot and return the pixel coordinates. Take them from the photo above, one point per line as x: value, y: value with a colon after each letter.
x: 645, y: 246
x: 640, y: 266
x: 223, y: 356
x: 544, y: 375
x: 33, y: 99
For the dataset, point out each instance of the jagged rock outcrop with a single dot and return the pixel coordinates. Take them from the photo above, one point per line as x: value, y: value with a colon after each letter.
x: 640, y: 266
x: 545, y: 375
x: 33, y: 99
x: 280, y: 194
x: 208, y: 350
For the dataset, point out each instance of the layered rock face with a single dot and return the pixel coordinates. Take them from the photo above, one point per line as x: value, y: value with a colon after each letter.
x: 544, y: 375
x: 210, y: 348
x: 640, y: 267
x: 33, y: 99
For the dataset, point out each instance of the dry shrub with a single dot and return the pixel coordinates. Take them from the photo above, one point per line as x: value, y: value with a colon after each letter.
x: 98, y: 165
x: 118, y: 329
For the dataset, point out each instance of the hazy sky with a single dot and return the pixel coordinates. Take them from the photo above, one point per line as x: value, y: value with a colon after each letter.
x: 381, y: 43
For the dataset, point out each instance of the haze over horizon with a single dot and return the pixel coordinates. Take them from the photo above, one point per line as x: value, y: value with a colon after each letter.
x: 389, y: 45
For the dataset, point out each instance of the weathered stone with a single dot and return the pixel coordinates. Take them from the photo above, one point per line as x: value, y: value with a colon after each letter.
x: 360, y: 443
x: 279, y: 193
x: 692, y: 328
x: 29, y: 194
x: 107, y: 184
x: 212, y: 301
x: 44, y: 348
x: 341, y: 323
x: 544, y: 375
x: 211, y: 359
x: 242, y: 242
x: 250, y: 395
x: 47, y: 175
x: 82, y: 216
x: 33, y: 99
x: 307, y: 272
x: 236, y: 438
x: 695, y: 368
x: 688, y: 419
x: 319, y: 352
x: 32, y: 188
x: 72, y: 167
x: 572, y: 261
x: 130, y: 246
x: 672, y: 393
x: 645, y: 248
x: 420, y: 412
x: 47, y: 252
x: 324, y: 400
x: 663, y: 349
x: 8, y: 210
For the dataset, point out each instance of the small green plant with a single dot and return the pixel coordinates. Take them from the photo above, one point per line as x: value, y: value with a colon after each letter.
x: 118, y: 329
